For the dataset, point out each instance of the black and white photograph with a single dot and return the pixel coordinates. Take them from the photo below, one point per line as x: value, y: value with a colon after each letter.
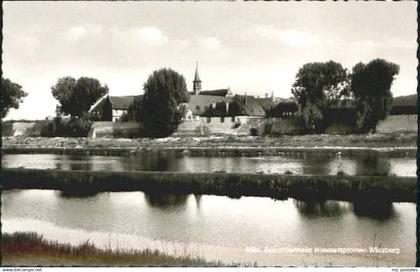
x: 209, y: 134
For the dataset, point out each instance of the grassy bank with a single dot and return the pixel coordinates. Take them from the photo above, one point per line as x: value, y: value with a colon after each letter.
x: 391, y: 144
x: 340, y: 187
x: 31, y: 249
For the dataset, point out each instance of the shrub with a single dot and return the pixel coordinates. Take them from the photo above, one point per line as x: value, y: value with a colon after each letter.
x: 74, y: 127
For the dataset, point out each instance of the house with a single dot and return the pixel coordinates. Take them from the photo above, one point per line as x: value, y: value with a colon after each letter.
x: 222, y: 103
x: 112, y: 108
x: 203, y: 104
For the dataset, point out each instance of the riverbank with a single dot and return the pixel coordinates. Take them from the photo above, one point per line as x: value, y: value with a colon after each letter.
x: 396, y: 143
x: 339, y: 187
x: 31, y: 249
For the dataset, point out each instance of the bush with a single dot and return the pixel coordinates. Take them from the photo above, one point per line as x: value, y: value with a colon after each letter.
x: 74, y: 127
x: 282, y: 126
x: 253, y: 132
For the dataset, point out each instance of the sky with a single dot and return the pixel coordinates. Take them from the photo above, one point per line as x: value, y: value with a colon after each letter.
x: 251, y: 47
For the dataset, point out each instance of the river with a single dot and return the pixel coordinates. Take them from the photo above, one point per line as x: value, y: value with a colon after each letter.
x: 310, y: 164
x: 217, y: 227
x: 247, y: 230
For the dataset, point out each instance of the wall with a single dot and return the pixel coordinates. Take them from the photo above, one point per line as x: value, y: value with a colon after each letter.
x: 115, y: 130
x: 216, y: 126
x: 406, y: 122
x: 20, y: 128
x: 281, y: 126
x: 190, y: 128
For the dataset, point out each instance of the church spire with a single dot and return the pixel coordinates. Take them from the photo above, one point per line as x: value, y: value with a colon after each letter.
x: 197, y: 81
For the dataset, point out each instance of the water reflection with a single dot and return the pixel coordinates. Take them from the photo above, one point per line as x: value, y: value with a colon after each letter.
x: 219, y: 226
x: 315, y: 209
x: 373, y: 165
x: 317, y: 164
x: 374, y: 209
x: 309, y: 164
x: 78, y: 193
x: 362, y: 208
x: 198, y: 200
x: 165, y: 201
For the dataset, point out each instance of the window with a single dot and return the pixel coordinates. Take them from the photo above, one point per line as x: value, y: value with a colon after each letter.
x: 222, y: 119
x: 197, y: 107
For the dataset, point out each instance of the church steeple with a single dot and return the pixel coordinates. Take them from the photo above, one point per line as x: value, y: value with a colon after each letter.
x: 197, y: 81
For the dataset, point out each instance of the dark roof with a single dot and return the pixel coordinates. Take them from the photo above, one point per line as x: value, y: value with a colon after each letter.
x: 249, y: 105
x: 265, y: 102
x: 196, y: 76
x: 122, y: 102
x: 218, y: 92
x: 198, y: 104
x: 222, y: 109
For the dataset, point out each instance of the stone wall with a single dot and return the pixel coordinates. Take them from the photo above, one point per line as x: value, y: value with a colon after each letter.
x: 405, y: 122
x: 21, y: 128
x: 219, y: 125
x: 189, y: 128
x: 114, y: 129
x: 240, y: 125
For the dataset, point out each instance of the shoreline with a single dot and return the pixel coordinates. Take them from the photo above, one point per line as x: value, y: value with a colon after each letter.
x: 399, y: 144
x: 211, y: 150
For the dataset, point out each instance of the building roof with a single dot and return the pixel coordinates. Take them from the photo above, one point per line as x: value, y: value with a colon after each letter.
x: 217, y: 92
x: 196, y: 76
x: 265, y: 102
x: 198, y: 104
x: 249, y: 105
x: 122, y: 102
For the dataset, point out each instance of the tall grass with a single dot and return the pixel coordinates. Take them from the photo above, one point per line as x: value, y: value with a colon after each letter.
x: 29, y: 248
x: 338, y: 187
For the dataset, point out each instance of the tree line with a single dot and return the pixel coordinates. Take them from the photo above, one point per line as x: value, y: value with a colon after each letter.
x: 318, y: 87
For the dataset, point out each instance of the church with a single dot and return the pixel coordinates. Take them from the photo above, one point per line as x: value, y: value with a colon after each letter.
x: 223, y: 103
x: 208, y: 104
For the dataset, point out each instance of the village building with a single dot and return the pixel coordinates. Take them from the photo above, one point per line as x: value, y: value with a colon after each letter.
x: 112, y: 108
x: 208, y: 105
x: 217, y: 105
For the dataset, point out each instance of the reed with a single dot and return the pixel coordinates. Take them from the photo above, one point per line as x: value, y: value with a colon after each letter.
x: 338, y: 187
x: 29, y: 248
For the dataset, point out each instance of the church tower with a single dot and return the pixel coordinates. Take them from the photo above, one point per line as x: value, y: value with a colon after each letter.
x: 197, y: 81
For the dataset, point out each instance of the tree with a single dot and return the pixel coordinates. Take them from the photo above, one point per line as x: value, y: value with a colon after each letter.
x: 371, y: 86
x: 77, y: 96
x: 161, y: 108
x: 317, y: 87
x: 11, y: 96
